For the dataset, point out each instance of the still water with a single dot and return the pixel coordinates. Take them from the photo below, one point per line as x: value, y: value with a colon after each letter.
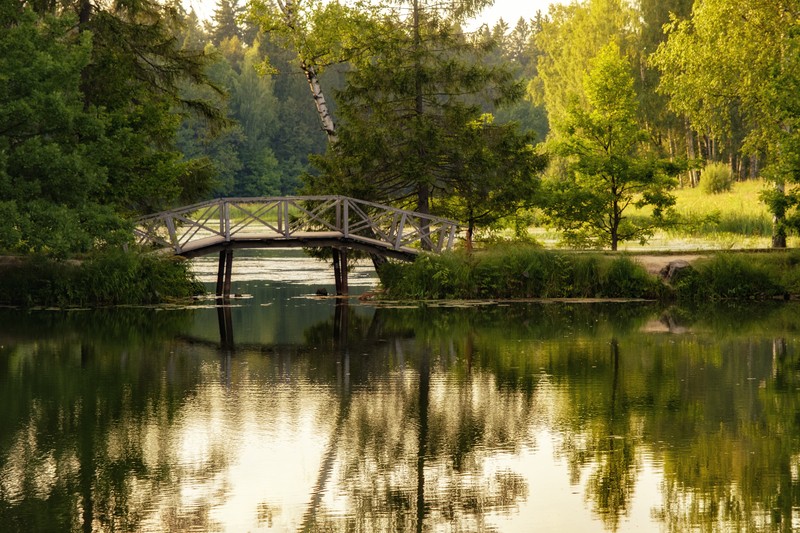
x: 287, y: 412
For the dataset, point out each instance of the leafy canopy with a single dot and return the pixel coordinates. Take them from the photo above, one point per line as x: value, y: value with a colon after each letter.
x: 741, y: 60
x: 88, y: 121
x: 607, y: 169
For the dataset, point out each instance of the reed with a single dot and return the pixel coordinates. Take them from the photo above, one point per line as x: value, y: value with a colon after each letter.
x: 508, y: 272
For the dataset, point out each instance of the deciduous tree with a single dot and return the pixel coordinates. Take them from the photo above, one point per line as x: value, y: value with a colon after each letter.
x: 742, y: 59
x: 608, y: 169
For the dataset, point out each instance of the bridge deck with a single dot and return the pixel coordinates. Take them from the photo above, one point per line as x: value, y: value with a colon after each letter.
x: 203, y: 246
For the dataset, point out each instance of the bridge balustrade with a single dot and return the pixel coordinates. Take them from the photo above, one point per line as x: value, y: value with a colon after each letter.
x: 295, y: 221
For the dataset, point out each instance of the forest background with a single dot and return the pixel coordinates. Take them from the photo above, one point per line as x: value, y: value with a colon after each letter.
x: 585, y: 119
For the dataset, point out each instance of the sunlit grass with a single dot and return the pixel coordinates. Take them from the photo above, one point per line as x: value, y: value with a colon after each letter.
x: 739, y: 211
x: 736, y: 219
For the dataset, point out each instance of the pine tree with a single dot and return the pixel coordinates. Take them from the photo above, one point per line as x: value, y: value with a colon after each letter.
x: 225, y: 23
x: 404, y: 110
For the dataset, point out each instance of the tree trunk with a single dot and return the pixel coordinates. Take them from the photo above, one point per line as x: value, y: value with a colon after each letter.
x: 423, y: 192
x: 778, y: 219
x: 288, y: 9
x: 423, y: 188
x: 324, y: 113
x: 690, y: 153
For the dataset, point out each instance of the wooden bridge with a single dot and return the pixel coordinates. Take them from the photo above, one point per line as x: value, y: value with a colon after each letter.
x: 335, y: 222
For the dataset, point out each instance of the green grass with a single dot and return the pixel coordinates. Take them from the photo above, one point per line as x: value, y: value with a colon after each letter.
x: 107, y: 278
x: 518, y: 272
x: 738, y: 211
x: 735, y: 219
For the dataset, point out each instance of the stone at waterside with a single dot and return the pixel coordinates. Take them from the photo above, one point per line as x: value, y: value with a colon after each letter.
x: 322, y: 291
x: 674, y: 270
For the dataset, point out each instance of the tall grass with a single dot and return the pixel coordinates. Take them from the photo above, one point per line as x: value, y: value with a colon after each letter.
x: 738, y: 211
x: 740, y: 277
x: 518, y: 272
x: 528, y: 272
x: 110, y: 278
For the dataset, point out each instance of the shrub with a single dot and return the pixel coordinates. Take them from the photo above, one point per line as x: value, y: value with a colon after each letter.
x: 625, y: 278
x: 109, y: 278
x: 716, y: 178
x: 727, y: 276
x: 429, y: 277
x: 518, y: 272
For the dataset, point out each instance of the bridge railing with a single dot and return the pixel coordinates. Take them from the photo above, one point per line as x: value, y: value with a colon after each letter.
x: 295, y: 217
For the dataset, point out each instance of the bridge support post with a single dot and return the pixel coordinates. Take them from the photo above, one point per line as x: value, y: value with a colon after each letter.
x: 224, y: 273
x: 340, y: 271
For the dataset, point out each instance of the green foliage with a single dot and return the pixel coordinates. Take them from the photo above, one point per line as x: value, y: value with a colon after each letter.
x: 730, y: 276
x: 240, y: 153
x: 87, y: 124
x: 50, y: 176
x: 110, y: 278
x: 430, y: 277
x: 624, y: 278
x: 528, y: 272
x: 498, y: 169
x: 413, y: 131
x: 716, y: 178
x: 607, y: 167
x: 572, y: 35
x: 733, y: 69
x: 518, y: 272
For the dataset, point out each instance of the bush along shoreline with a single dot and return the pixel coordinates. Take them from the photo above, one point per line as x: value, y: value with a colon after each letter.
x: 103, y: 279
x: 534, y: 273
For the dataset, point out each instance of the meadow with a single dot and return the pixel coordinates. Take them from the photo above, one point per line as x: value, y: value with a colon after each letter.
x: 732, y: 220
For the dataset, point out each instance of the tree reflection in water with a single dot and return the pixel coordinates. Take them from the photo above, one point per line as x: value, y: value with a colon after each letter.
x: 401, y: 419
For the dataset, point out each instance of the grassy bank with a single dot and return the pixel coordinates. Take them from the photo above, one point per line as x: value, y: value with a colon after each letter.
x: 741, y: 276
x: 529, y: 272
x: 111, y: 278
x: 518, y: 272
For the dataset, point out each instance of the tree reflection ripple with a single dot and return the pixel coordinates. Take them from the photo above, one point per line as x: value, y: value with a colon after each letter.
x: 318, y: 416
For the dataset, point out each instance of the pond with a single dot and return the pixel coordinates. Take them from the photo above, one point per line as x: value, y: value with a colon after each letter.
x: 288, y: 412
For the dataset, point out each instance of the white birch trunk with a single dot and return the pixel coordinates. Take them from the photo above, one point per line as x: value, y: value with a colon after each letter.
x: 288, y: 9
x: 324, y: 113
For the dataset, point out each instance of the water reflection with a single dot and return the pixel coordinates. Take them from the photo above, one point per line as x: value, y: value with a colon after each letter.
x: 526, y: 417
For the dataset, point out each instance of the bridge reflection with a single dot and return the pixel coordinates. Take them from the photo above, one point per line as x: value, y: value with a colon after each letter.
x: 339, y: 332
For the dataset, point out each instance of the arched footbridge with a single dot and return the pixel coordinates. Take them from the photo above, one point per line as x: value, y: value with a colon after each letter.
x: 336, y: 222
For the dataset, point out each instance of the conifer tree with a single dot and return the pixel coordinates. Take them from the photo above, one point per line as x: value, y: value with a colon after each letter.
x: 225, y: 22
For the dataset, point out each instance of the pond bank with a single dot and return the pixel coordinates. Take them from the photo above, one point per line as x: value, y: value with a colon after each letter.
x: 528, y: 272
x: 108, y: 278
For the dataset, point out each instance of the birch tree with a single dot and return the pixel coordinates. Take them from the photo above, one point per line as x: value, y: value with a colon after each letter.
x: 321, y: 34
x: 744, y: 57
